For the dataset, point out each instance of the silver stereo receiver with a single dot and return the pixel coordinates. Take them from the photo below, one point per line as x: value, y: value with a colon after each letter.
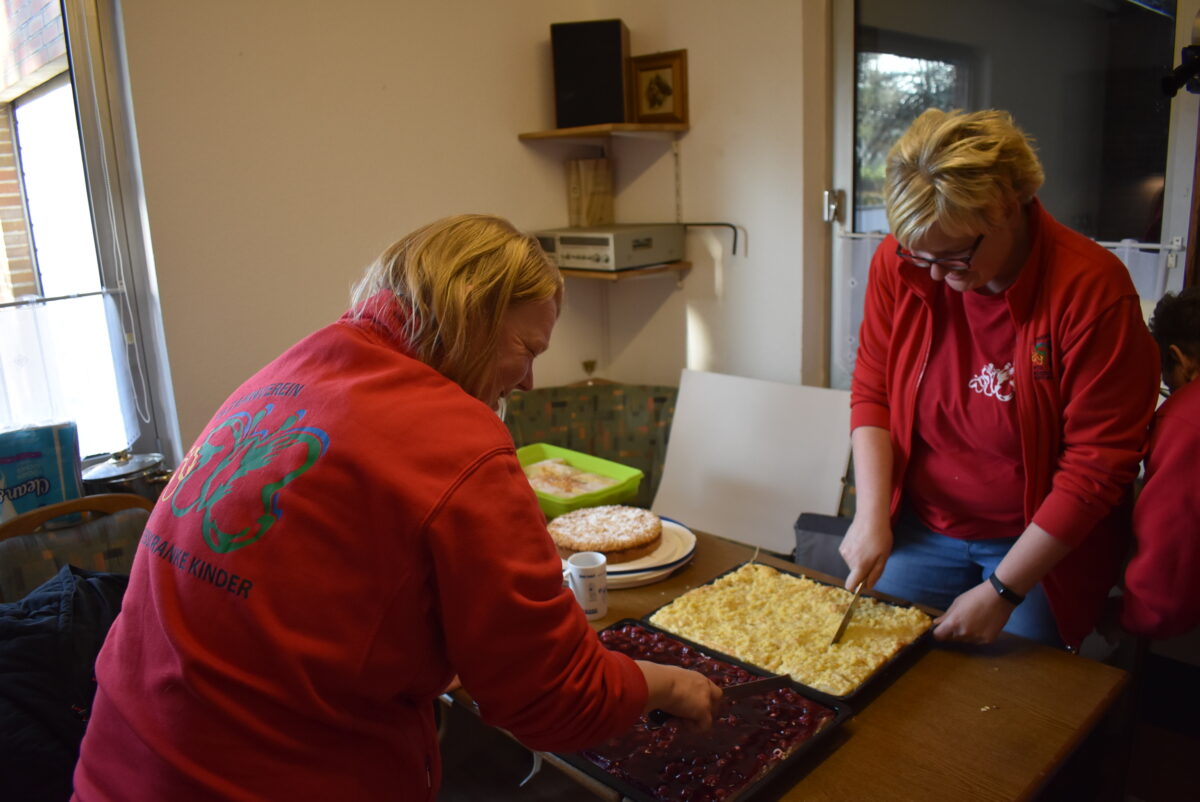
x: 613, y: 247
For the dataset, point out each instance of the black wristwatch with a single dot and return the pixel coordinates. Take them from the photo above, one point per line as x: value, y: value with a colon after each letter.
x: 1006, y: 593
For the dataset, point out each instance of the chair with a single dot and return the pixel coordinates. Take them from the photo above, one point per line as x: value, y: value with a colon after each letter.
x: 746, y: 456
x: 60, y: 590
x: 96, y: 533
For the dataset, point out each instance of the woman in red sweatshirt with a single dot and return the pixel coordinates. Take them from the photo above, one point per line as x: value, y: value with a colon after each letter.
x: 351, y: 531
x: 1001, y: 394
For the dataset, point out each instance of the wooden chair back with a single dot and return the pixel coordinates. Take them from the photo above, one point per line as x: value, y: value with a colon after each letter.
x: 102, y: 536
x: 87, y: 506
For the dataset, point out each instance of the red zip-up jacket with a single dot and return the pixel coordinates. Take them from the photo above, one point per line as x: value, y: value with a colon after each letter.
x: 1162, y: 597
x: 1086, y: 381
x: 349, y: 532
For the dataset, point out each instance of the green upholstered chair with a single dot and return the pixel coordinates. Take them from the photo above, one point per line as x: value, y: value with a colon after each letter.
x: 102, y: 535
x: 625, y: 423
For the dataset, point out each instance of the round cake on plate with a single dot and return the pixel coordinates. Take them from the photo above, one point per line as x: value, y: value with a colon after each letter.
x: 621, y: 533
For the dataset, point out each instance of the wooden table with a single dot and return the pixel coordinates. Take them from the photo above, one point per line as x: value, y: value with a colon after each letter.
x: 961, y: 722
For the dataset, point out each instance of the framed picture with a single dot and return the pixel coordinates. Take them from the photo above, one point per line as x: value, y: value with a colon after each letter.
x: 659, y: 85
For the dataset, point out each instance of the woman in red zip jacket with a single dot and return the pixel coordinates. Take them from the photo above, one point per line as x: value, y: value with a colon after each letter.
x: 1001, y: 394
x: 351, y: 530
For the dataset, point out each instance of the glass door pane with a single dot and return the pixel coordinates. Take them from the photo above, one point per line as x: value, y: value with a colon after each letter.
x: 897, y: 78
x: 1082, y: 77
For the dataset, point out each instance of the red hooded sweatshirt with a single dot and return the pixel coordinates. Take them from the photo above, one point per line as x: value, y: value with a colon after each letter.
x: 349, y: 532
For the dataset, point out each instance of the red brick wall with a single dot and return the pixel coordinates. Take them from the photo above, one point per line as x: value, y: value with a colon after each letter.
x: 35, y: 39
x: 16, y: 272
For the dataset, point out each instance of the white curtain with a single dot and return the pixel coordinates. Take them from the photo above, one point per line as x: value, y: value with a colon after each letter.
x: 1148, y: 265
x: 849, y: 296
x: 64, y: 360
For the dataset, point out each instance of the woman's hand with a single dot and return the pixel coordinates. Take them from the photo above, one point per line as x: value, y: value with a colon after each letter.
x: 865, y: 548
x: 868, y: 541
x: 976, y: 616
x: 680, y: 692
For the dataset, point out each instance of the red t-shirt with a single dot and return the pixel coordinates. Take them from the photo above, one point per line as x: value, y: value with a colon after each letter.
x: 965, y: 478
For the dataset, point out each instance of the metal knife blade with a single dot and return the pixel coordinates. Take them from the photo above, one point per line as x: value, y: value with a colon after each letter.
x: 756, y: 686
x: 656, y: 718
x: 841, y: 630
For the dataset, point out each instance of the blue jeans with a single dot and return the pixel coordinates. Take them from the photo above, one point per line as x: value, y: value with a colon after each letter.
x: 934, y: 569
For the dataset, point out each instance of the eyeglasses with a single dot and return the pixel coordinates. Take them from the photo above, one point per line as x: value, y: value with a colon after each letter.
x: 952, y: 263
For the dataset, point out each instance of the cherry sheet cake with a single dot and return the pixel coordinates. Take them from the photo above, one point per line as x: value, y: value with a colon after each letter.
x: 749, y: 738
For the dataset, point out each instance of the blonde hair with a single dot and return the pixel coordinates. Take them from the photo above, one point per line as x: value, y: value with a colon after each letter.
x: 960, y: 170
x: 454, y: 280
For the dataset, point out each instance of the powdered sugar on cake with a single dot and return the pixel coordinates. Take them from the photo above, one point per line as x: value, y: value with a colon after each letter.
x: 621, y: 533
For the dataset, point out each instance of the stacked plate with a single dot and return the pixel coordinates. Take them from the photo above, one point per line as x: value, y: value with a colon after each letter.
x: 677, y: 547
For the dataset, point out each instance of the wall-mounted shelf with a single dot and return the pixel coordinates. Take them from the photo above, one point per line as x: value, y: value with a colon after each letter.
x: 607, y: 129
x: 619, y: 275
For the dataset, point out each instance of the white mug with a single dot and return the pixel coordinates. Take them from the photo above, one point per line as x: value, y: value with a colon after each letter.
x: 586, y: 575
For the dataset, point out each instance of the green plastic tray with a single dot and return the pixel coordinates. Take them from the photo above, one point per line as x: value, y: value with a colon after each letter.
x: 628, y: 479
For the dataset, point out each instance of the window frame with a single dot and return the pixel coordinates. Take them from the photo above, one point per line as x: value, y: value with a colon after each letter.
x: 99, y: 77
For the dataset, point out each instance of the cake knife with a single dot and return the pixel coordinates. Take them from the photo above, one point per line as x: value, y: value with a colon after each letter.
x: 841, y: 630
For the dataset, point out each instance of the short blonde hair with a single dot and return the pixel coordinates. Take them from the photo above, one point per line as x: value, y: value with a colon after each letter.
x: 960, y: 170
x: 454, y: 280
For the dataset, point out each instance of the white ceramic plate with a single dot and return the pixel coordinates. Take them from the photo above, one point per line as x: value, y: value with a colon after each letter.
x: 622, y: 581
x: 677, y: 547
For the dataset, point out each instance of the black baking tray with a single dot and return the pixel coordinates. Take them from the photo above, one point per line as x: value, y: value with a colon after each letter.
x: 872, y: 685
x: 790, y: 768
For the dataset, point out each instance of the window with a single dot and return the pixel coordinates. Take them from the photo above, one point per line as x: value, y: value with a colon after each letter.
x: 50, y: 159
x: 896, y: 78
x: 71, y: 318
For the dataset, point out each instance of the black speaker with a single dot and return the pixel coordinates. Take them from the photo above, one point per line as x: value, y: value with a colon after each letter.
x: 589, y: 71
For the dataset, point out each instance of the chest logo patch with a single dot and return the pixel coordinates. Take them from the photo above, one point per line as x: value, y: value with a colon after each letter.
x: 243, y: 449
x: 1042, y: 368
x: 995, y: 382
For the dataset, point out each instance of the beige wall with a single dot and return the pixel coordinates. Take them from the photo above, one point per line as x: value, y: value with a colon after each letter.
x: 284, y: 143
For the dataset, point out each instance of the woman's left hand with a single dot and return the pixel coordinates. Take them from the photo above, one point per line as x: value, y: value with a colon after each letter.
x: 976, y: 616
